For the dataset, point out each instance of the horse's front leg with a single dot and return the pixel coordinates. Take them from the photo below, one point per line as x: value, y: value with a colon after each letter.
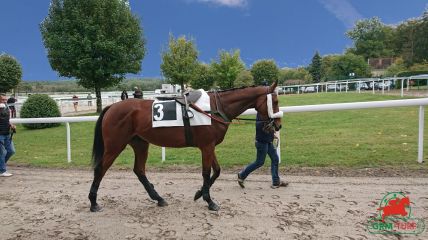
x: 208, y: 157
x: 216, y: 174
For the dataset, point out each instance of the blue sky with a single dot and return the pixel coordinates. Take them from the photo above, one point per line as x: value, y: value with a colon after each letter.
x: 288, y: 31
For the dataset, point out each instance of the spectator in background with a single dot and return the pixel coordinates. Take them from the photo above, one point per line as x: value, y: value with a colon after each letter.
x: 6, y: 129
x: 11, y: 104
x: 89, y: 97
x: 124, y: 95
x: 75, y: 102
x: 138, y: 93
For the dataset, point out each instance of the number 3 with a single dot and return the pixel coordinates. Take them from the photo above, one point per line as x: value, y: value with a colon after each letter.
x: 159, y: 110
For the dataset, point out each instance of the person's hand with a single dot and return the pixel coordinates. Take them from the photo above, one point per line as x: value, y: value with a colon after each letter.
x: 13, y: 126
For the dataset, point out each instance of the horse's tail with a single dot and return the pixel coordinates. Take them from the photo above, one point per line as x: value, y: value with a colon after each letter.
x: 98, y: 147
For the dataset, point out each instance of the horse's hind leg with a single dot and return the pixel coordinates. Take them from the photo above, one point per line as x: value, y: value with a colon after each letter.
x: 141, y: 148
x: 99, y: 172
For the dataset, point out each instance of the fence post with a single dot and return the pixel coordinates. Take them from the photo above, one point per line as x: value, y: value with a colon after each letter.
x: 383, y: 86
x: 67, y: 124
x: 421, y: 134
x: 278, y: 149
x: 163, y: 154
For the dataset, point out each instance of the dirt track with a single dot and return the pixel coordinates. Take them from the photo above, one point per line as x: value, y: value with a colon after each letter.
x: 52, y: 204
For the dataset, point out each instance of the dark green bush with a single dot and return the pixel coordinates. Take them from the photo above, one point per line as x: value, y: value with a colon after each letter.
x: 40, y: 106
x: 411, y: 73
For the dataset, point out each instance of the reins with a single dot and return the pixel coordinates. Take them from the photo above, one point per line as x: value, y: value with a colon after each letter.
x: 221, y: 120
x: 210, y: 116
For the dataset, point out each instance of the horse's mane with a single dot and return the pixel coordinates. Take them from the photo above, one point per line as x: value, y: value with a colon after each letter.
x: 232, y: 89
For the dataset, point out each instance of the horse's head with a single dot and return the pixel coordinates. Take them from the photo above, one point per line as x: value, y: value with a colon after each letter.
x: 268, y: 109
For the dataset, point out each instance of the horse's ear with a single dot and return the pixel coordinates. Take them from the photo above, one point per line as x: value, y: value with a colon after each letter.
x: 273, y: 86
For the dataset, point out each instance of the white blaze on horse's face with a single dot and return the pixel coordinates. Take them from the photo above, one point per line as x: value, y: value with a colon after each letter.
x: 271, y: 114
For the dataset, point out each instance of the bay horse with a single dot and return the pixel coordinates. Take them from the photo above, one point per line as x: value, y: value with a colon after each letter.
x: 130, y: 122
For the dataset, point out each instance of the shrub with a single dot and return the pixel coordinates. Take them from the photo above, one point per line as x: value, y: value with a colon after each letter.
x: 40, y: 106
x: 411, y: 73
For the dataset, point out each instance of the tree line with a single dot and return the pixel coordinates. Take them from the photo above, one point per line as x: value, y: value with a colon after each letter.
x: 406, y: 42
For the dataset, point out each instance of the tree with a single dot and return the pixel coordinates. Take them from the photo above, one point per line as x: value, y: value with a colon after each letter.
x: 371, y: 39
x: 421, y: 40
x: 227, y: 68
x: 180, y: 61
x: 419, y: 67
x: 10, y: 73
x: 95, y: 41
x: 397, y: 67
x: 327, y: 67
x: 264, y: 70
x: 342, y: 65
x: 244, y: 79
x: 300, y: 74
x: 204, y: 79
x: 404, y: 41
x: 315, y: 68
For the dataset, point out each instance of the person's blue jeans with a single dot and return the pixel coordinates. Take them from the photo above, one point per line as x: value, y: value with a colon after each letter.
x: 6, y: 151
x: 263, y: 149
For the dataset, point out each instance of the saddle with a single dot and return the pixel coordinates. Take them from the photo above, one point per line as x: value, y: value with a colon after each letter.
x: 185, y: 100
x: 188, y: 97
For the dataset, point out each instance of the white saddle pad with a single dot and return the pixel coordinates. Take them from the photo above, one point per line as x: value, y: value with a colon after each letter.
x: 169, y: 113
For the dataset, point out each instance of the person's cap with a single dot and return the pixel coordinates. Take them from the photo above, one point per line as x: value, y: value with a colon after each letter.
x: 2, y: 105
x: 135, y: 88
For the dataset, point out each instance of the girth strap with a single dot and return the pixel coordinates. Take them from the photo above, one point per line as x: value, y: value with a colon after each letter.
x: 187, y: 130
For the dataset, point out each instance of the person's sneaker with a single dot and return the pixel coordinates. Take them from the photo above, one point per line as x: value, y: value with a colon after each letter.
x: 6, y: 174
x: 280, y: 184
x: 241, y: 182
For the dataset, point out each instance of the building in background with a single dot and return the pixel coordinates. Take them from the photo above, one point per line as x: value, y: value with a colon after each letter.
x: 379, y: 65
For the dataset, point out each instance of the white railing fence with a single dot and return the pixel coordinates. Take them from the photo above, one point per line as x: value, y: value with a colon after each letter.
x: 421, y: 102
x: 364, y: 84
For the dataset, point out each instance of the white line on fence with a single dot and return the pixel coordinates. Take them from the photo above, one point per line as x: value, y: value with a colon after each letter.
x: 421, y: 102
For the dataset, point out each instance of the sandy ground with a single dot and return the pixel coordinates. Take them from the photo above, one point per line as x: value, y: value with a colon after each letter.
x: 52, y: 204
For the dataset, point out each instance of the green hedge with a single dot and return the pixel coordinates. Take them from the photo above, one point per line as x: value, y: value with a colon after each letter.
x: 40, y: 106
x: 411, y: 73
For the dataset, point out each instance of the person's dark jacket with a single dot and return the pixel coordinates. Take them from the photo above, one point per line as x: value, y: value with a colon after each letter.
x: 124, y: 95
x: 4, y: 121
x: 11, y: 101
x: 138, y: 94
x: 262, y: 136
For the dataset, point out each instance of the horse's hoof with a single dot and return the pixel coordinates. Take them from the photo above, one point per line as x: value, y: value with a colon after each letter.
x: 96, y: 208
x: 162, y: 203
x: 198, y: 195
x: 213, y: 207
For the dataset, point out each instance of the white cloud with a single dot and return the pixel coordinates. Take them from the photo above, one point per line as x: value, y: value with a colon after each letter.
x: 343, y: 10
x: 227, y: 3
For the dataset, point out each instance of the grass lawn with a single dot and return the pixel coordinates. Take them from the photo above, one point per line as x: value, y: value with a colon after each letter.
x: 354, y: 138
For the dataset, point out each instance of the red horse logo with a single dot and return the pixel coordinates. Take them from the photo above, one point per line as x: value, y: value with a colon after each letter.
x: 395, y: 206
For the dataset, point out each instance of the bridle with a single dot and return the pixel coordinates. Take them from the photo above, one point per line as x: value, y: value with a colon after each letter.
x: 270, y: 122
